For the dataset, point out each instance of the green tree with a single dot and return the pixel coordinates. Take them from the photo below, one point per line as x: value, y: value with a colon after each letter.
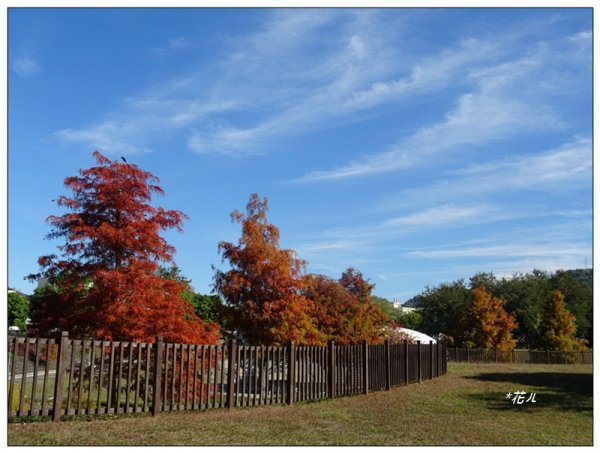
x: 211, y: 308
x: 525, y: 295
x: 441, y: 310
x: 411, y: 320
x: 577, y: 289
x: 386, y: 307
x: 18, y: 310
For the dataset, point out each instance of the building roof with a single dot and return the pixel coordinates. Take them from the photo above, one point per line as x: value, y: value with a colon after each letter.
x: 418, y: 336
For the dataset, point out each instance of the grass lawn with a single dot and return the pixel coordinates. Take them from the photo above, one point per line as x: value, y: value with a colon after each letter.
x: 468, y: 406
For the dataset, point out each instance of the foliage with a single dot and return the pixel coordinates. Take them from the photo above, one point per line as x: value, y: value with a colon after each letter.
x: 526, y: 295
x: 18, y: 310
x: 386, y: 307
x: 486, y: 324
x: 442, y: 309
x: 339, y: 314
x: 105, y: 284
x: 558, y: 325
x: 396, y: 336
x: 263, y: 286
x: 210, y: 308
x: 577, y: 288
x: 411, y: 320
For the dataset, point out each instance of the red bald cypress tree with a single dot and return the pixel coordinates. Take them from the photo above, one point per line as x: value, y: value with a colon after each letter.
x: 105, y: 283
x: 264, y: 285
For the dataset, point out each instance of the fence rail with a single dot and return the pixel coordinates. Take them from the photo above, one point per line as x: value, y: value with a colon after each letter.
x: 67, y: 377
x: 520, y: 356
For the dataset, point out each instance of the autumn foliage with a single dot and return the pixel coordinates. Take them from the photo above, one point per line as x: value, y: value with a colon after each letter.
x: 343, y: 312
x: 263, y: 286
x: 274, y: 302
x: 558, y: 326
x: 105, y: 283
x: 486, y: 323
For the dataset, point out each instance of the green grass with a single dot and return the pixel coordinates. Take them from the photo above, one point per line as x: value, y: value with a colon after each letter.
x: 466, y: 407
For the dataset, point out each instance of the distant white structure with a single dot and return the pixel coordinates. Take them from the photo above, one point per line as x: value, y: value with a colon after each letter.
x: 399, y: 306
x: 417, y: 336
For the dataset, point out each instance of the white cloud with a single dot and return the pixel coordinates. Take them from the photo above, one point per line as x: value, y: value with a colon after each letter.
x: 25, y: 66
x: 512, y: 250
x: 499, y: 108
x: 565, y: 168
x: 441, y: 216
x: 172, y: 44
x: 583, y: 36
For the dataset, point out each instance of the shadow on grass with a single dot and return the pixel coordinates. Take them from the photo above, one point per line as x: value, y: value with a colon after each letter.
x: 561, y: 391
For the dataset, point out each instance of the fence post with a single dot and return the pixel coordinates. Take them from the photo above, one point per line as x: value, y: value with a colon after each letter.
x: 388, y: 379
x: 548, y: 355
x: 468, y: 355
x: 158, y: 350
x: 365, y: 370
x: 430, y: 359
x: 419, y: 360
x: 291, y: 373
x: 331, y: 371
x: 456, y: 353
x: 406, y: 361
x: 60, y: 371
x: 437, y: 358
x: 231, y: 364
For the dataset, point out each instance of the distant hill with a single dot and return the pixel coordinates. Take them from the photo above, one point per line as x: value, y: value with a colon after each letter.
x: 414, y: 302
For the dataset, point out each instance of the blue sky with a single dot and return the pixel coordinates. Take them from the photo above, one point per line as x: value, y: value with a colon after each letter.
x: 416, y: 145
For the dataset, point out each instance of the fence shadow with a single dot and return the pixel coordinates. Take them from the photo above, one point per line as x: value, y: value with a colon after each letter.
x: 564, y: 391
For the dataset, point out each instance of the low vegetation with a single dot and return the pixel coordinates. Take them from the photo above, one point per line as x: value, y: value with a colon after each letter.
x: 468, y: 406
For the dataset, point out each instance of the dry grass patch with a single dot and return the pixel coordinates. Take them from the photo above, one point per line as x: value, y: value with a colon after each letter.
x: 465, y: 407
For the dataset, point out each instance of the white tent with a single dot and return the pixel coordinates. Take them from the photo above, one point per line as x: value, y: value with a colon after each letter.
x: 417, y: 336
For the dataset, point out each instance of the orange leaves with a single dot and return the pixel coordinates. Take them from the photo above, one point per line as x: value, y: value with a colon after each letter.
x: 274, y: 302
x: 264, y: 283
x: 106, y: 284
x: 558, y: 325
x: 486, y: 324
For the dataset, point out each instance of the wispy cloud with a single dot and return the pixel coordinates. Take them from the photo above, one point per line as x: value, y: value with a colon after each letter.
x: 25, y: 66
x: 346, y: 64
x: 566, y: 168
x: 441, y: 216
x: 172, y: 44
x: 497, y: 109
x: 512, y: 250
x: 272, y: 96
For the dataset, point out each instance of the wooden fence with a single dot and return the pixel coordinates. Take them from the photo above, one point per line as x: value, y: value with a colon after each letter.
x: 520, y: 356
x: 67, y: 377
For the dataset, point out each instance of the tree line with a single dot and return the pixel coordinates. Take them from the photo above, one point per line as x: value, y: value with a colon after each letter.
x: 539, y: 309
x: 115, y: 278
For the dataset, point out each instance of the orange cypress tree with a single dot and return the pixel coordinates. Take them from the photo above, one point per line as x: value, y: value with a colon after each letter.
x: 343, y: 312
x: 263, y: 286
x: 105, y: 284
x: 486, y: 324
x: 558, y: 326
